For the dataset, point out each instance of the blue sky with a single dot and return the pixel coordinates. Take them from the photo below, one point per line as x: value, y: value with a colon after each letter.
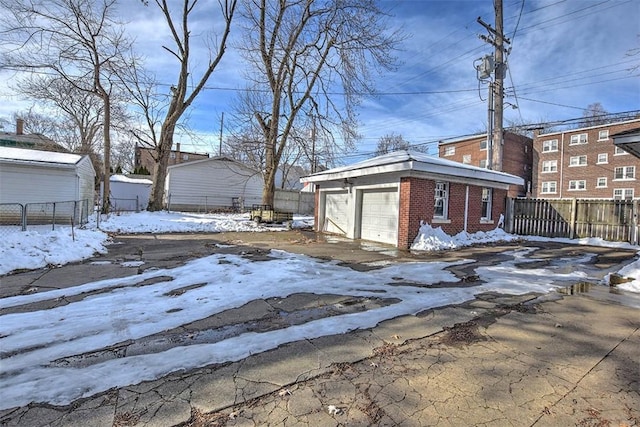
x: 565, y: 55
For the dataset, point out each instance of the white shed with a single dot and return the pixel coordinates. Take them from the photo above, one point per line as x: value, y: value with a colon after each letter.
x: 129, y: 194
x: 210, y: 184
x: 33, y: 176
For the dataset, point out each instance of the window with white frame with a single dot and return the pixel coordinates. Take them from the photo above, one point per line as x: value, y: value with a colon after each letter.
x: 617, y: 151
x: 624, y: 173
x: 601, y: 182
x: 466, y: 159
x: 549, y: 166
x: 185, y: 157
x: 449, y: 150
x: 578, y: 161
x: 483, y: 144
x: 441, y: 202
x: 486, y: 203
x: 549, y: 146
x: 580, y: 138
x: 623, y: 193
x: 603, y: 135
x: 577, y: 185
x: 172, y: 155
x: 603, y: 158
x: 483, y: 163
x: 549, y: 187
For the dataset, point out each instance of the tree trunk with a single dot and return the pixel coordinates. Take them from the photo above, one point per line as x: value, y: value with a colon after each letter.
x: 106, y: 187
x: 160, y: 171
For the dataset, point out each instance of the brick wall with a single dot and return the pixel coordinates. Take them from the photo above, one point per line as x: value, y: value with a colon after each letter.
x: 417, y: 201
x: 589, y: 173
x: 516, y: 158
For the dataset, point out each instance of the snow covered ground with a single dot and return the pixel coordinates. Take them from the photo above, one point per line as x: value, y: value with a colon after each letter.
x: 35, y: 345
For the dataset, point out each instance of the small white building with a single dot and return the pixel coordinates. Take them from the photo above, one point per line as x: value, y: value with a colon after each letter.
x: 212, y: 184
x: 33, y: 176
x: 46, y: 183
x: 129, y: 194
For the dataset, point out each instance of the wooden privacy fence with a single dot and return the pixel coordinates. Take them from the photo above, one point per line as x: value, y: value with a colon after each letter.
x: 613, y: 220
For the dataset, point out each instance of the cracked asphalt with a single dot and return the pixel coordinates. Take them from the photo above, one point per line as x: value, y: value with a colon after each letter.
x: 565, y: 359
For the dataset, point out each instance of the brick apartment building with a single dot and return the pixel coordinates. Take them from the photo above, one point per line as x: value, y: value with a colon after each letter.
x: 585, y: 164
x: 144, y: 157
x: 517, y: 156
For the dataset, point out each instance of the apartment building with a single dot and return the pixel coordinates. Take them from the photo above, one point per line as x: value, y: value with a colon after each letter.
x: 585, y: 164
x: 144, y: 157
x: 517, y: 156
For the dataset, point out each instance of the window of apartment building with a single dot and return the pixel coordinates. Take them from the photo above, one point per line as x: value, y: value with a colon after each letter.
x: 172, y: 155
x: 577, y: 184
x: 449, y: 150
x: 578, y: 161
x: 549, y: 166
x: 549, y: 187
x: 486, y: 203
x: 603, y: 135
x: 617, y: 151
x: 466, y: 159
x: 551, y: 145
x: 483, y: 163
x: 441, y: 202
x: 580, y: 138
x: 483, y: 144
x: 601, y: 182
x: 625, y: 172
x: 623, y: 193
x: 603, y: 158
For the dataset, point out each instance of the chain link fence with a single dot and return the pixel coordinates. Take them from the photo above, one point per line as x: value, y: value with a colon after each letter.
x: 20, y: 217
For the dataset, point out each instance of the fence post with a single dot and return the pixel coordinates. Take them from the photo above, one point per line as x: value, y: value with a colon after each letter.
x: 23, y: 216
x: 137, y: 205
x: 53, y: 223
x: 634, y: 223
x: 572, y: 221
x: 509, y: 212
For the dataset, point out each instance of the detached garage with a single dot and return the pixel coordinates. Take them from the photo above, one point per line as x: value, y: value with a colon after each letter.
x: 33, y: 176
x: 212, y: 184
x: 384, y: 199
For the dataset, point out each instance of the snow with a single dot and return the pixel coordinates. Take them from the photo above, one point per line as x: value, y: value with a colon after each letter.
x: 39, y: 346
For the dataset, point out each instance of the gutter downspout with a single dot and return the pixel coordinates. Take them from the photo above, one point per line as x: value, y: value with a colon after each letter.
x: 561, y: 164
x: 466, y: 207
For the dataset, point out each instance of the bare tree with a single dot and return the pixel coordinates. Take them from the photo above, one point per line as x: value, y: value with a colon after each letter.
x: 310, y: 58
x: 391, y: 142
x: 183, y: 93
x: 594, y: 115
x: 79, y: 41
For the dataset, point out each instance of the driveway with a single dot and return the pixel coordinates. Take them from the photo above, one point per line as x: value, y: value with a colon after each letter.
x: 491, y: 358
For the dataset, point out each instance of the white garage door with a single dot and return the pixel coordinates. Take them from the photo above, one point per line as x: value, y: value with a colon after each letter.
x: 380, y: 215
x: 336, y: 212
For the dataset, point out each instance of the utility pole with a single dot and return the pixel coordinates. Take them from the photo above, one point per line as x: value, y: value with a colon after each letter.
x: 497, y: 39
x: 220, y: 140
x: 313, y: 145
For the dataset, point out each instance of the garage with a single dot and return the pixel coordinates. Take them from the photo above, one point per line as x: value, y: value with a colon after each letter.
x: 336, y: 216
x: 379, y: 220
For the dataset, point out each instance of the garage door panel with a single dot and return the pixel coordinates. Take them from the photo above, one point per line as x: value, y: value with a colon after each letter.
x: 379, y: 221
x: 337, y: 212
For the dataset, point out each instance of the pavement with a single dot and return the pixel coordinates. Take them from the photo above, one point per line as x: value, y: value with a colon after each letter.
x: 570, y: 358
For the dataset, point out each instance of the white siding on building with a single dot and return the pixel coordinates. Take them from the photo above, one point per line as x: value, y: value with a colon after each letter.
x: 212, y: 183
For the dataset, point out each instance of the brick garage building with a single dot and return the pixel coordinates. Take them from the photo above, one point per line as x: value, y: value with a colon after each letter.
x: 384, y: 199
x: 516, y: 158
x: 145, y: 157
x: 585, y: 164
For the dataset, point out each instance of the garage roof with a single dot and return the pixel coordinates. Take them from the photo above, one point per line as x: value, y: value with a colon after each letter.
x: 628, y: 141
x: 410, y: 163
x: 21, y: 155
